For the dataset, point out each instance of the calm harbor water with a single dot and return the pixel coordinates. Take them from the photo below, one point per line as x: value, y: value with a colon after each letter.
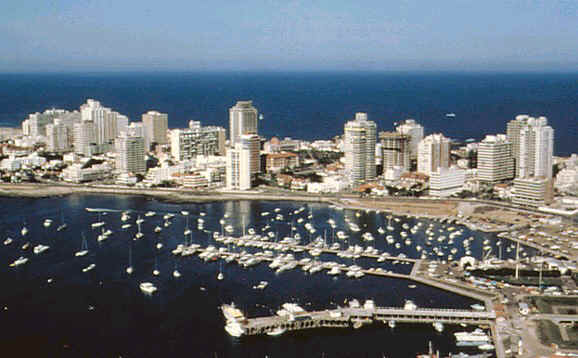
x: 102, y: 313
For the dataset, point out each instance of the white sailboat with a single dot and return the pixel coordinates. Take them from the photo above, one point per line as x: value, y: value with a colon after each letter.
x: 156, y: 271
x: 129, y: 269
x: 83, y: 248
x: 176, y: 273
x: 220, y: 276
x: 62, y: 225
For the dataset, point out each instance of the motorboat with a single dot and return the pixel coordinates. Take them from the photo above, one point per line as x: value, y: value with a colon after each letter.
x: 38, y: 249
x: 147, y: 288
x: 277, y: 331
x: 19, y: 261
x: 89, y: 268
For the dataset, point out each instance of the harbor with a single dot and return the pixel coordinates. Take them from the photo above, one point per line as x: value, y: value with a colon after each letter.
x: 279, y: 251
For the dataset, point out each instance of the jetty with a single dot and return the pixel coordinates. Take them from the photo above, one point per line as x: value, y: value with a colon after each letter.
x: 349, y: 317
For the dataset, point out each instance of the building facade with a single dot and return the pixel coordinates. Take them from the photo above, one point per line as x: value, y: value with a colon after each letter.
x: 58, y: 137
x: 85, y: 138
x: 532, y: 146
x: 197, y: 140
x: 243, y: 162
x: 532, y: 191
x: 243, y: 119
x: 130, y: 155
x: 415, y: 133
x: 359, y: 147
x: 433, y: 153
x: 445, y: 182
x: 155, y: 127
x: 395, y: 150
x: 495, y: 159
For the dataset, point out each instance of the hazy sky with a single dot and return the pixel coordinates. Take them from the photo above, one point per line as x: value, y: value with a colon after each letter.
x: 77, y: 35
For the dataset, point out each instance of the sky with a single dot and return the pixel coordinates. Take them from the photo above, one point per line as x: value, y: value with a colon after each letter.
x: 317, y: 35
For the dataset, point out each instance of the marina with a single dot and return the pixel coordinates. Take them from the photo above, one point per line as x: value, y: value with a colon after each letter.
x: 205, y: 263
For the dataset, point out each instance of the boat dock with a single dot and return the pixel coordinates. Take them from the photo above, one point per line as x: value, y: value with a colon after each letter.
x: 356, y: 317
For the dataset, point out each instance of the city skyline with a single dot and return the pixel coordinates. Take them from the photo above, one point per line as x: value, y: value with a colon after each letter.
x: 296, y: 35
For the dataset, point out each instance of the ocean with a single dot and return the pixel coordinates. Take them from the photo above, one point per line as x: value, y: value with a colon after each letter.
x: 313, y: 105
x: 102, y: 312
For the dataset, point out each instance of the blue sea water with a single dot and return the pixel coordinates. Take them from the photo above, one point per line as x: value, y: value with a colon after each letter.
x: 313, y: 105
x: 102, y: 313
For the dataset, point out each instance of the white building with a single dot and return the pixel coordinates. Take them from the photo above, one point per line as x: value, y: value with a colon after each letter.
x: 130, y: 155
x: 58, y: 137
x: 495, y: 160
x: 360, y: 139
x: 446, y: 181
x: 243, y: 119
x: 155, y: 128
x: 76, y: 173
x: 532, y: 146
x: 414, y: 130
x: 35, y: 125
x: 108, y: 124
x: 243, y: 162
x: 197, y: 140
x: 433, y: 153
x: 85, y: 138
x: 532, y: 191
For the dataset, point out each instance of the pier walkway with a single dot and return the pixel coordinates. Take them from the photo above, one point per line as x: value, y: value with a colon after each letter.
x: 356, y: 317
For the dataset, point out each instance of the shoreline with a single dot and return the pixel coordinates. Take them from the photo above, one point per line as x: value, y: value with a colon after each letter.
x: 423, y: 208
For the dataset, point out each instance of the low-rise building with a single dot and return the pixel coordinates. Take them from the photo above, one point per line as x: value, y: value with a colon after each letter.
x: 446, y: 181
x: 77, y: 173
x: 276, y: 162
x: 532, y: 191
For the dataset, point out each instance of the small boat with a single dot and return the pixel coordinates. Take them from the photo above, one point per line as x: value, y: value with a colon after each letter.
x: 159, y: 245
x: 129, y: 270
x: 184, y: 212
x: 150, y: 213
x: 97, y: 224
x: 88, y: 268
x: 158, y: 229
x: 24, y: 231
x: 38, y: 249
x: 83, y: 248
x: 391, y: 324
x: 19, y: 261
x: 147, y: 288
x: 477, y: 307
x: 450, y: 115
x: 277, y: 331
x: 438, y: 326
x: 47, y: 222
x: 176, y: 273
x: 8, y: 241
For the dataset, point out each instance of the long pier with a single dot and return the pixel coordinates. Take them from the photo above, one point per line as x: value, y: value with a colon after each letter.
x: 356, y: 317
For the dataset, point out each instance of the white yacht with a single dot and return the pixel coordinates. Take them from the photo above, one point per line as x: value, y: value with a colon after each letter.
x: 38, y: 249
x: 24, y: 231
x: 19, y: 261
x: 438, y: 326
x: 47, y: 222
x: 147, y: 288
x: 150, y: 213
x: 8, y: 241
x: 88, y: 268
x: 83, y: 248
x: 234, y: 329
x: 176, y: 273
x: 232, y: 313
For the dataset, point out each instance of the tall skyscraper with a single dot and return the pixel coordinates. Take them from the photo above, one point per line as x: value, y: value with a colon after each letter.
x: 108, y: 124
x: 433, y: 153
x: 85, y: 138
x: 359, y: 145
x: 58, y: 137
x: 243, y: 162
x: 243, y: 119
x: 532, y: 145
x: 395, y: 150
x: 130, y: 154
x: 414, y: 130
x: 495, y: 159
x: 156, y: 126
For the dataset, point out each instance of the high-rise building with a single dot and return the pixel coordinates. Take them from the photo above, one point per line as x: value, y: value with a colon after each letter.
x: 243, y: 162
x: 532, y: 146
x: 433, y: 153
x: 359, y: 146
x: 58, y: 137
x: 495, y: 159
x: 85, y: 138
x: 130, y: 154
x: 108, y: 124
x: 414, y: 130
x: 156, y: 126
x: 395, y: 150
x: 243, y: 119
x: 197, y: 140
x: 37, y: 122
